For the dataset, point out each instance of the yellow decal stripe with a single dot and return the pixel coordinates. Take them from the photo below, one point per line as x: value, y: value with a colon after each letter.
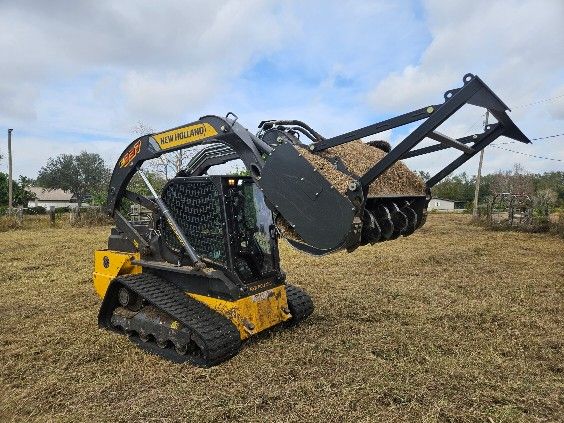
x: 184, y: 135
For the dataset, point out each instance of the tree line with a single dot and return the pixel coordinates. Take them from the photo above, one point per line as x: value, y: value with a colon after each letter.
x: 86, y: 176
x: 547, y: 187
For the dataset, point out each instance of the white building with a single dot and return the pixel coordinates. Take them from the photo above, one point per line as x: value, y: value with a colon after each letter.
x: 52, y: 198
x: 442, y: 204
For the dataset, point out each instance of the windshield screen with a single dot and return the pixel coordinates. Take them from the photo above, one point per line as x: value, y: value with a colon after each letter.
x: 195, y: 205
x: 253, y: 245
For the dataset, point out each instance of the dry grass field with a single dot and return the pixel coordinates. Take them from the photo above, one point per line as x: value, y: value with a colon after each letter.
x: 452, y: 324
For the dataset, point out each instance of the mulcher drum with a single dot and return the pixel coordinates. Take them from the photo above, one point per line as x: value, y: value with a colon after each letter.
x: 390, y: 197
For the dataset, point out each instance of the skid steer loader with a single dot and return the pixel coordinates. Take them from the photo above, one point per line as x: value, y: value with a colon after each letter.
x: 203, y: 274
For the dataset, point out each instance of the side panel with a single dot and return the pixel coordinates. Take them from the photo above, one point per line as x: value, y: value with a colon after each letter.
x: 252, y: 314
x: 316, y: 210
x: 109, y: 264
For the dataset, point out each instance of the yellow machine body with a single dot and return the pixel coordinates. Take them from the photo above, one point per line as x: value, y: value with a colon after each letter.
x: 254, y: 313
x: 109, y: 264
x: 250, y: 315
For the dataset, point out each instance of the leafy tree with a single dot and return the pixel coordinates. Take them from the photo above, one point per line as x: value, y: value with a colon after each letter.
x: 553, y: 181
x: 156, y: 179
x: 99, y: 194
x: 547, y: 197
x: 547, y: 188
x: 457, y: 188
x: 80, y: 175
x: 424, y: 175
x: 514, y: 181
x: 21, y: 195
x: 137, y: 185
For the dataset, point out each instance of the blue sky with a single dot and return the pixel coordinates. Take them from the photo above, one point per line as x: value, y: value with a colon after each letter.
x: 80, y: 75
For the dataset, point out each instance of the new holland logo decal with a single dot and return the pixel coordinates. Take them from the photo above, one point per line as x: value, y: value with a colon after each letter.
x: 184, y: 135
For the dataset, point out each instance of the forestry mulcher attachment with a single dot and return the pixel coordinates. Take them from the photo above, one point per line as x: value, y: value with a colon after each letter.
x: 203, y: 273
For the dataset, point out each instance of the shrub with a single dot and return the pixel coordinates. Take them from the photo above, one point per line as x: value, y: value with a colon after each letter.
x: 557, y: 224
x: 35, y: 210
x: 92, y: 216
x: 8, y: 223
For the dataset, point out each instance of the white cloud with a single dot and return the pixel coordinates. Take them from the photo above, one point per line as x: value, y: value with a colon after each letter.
x: 410, y: 87
x: 555, y: 104
x: 161, y: 52
x: 156, y: 97
x: 517, y: 47
x: 77, y: 74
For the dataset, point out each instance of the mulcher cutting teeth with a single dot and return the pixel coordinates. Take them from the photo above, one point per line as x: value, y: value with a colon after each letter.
x: 411, y: 220
x: 399, y: 219
x: 371, y: 232
x: 384, y: 219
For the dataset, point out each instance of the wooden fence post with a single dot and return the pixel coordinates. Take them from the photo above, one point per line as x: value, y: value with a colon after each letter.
x: 52, y: 215
x: 19, y: 215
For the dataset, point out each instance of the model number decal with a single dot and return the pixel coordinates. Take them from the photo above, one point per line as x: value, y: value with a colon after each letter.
x: 261, y: 296
x: 128, y: 157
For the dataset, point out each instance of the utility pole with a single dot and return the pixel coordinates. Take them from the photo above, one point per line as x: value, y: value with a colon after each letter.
x: 477, y: 189
x: 10, y: 193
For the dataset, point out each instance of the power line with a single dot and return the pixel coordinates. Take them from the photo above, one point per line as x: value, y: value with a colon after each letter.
x: 533, y: 139
x: 548, y: 136
x: 544, y: 100
x: 526, y: 154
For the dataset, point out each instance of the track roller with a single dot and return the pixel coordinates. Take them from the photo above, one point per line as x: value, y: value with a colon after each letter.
x: 169, y: 323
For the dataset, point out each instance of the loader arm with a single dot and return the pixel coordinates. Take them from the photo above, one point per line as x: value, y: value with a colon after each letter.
x: 205, y: 130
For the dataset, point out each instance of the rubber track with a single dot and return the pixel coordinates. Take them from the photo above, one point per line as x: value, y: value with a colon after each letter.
x: 217, y: 337
x: 299, y: 303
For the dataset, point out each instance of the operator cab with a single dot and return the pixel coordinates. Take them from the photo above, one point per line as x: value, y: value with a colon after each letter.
x: 227, y: 222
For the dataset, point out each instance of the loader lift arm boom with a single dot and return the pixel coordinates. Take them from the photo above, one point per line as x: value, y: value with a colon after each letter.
x: 207, y: 129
